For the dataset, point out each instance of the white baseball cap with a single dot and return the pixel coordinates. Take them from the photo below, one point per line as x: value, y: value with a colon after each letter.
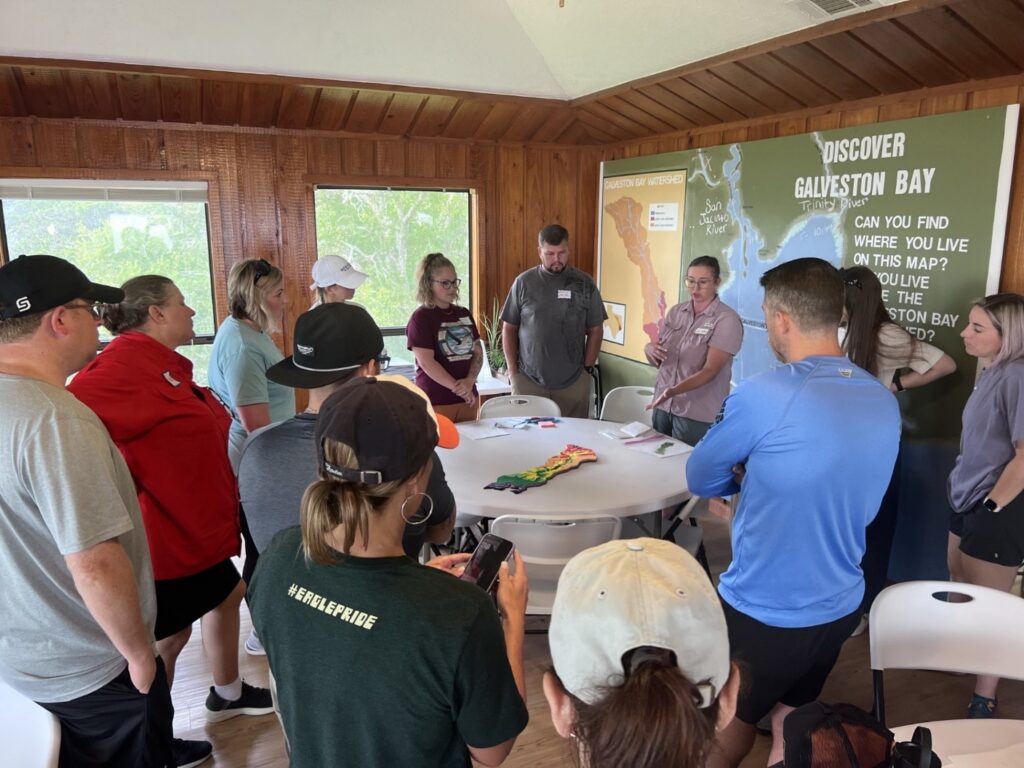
x: 632, y: 593
x: 334, y: 270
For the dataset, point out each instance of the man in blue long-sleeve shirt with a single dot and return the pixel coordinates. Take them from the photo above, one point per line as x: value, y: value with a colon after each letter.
x: 811, y: 444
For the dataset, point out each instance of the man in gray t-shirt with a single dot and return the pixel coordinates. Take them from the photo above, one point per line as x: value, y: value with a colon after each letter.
x: 551, y: 330
x: 78, y: 605
x: 334, y: 342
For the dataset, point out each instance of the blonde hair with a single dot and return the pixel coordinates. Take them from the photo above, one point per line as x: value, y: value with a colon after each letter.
x: 330, y: 501
x: 140, y: 293
x: 1006, y: 311
x: 425, y: 273
x: 247, y: 289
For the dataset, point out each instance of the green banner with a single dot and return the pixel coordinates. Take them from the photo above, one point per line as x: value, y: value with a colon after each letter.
x: 922, y: 202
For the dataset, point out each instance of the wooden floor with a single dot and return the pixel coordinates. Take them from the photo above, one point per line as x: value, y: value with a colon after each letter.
x: 257, y: 741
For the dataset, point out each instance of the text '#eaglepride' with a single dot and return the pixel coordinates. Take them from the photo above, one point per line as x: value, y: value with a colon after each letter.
x: 331, y: 608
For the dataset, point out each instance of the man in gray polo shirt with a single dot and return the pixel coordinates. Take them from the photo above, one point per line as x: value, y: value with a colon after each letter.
x: 78, y: 604
x: 551, y: 328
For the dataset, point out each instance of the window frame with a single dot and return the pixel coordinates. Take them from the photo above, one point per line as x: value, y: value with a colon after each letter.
x: 414, y: 185
x: 214, y: 234
x: 387, y: 331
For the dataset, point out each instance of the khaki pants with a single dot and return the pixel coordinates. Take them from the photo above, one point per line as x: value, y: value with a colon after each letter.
x: 574, y: 400
x: 460, y: 411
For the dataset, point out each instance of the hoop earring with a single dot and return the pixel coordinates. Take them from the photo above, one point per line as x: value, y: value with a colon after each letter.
x: 423, y: 519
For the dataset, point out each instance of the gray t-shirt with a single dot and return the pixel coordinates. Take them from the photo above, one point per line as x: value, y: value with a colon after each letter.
x: 553, y: 313
x: 64, y: 488
x: 237, y: 373
x: 993, y: 421
x: 278, y: 463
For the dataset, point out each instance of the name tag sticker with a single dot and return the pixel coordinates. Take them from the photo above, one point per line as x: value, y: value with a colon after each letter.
x: 563, y: 294
x: 702, y: 331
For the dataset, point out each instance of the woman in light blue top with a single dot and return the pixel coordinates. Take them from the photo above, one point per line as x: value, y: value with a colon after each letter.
x: 243, y: 351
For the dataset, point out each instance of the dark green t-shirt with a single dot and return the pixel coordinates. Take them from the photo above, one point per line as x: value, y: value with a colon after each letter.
x: 382, y: 661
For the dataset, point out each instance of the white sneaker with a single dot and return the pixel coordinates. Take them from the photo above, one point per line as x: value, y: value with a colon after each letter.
x: 253, y: 646
x: 860, y: 629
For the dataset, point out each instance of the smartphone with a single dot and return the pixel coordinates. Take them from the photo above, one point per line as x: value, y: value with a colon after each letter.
x: 482, y: 568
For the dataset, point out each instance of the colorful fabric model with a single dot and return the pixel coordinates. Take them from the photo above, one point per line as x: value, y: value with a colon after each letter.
x: 572, y: 457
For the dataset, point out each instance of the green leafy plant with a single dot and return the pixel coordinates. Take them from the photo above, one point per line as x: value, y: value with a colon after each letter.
x: 491, y: 325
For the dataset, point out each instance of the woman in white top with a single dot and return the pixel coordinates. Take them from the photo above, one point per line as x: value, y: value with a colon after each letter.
x: 900, y: 361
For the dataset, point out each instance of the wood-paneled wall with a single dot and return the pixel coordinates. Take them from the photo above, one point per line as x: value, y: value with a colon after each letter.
x: 261, y: 186
x: 261, y: 180
x: 992, y: 93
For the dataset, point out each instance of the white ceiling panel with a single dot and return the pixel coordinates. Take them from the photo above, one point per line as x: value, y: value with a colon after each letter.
x: 516, y: 47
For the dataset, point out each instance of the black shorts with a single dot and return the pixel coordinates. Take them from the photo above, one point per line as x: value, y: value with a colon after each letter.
x: 995, y: 537
x: 179, y: 602
x: 116, y: 726
x: 780, y: 664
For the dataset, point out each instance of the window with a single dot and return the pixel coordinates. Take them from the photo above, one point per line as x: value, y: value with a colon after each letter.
x: 114, y: 231
x: 385, y: 233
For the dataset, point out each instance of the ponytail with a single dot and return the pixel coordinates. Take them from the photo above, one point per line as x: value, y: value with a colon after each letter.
x: 425, y: 273
x: 330, y: 502
x: 653, y: 718
x: 140, y: 293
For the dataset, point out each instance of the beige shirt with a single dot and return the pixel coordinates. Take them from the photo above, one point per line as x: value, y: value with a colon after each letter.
x: 897, y: 350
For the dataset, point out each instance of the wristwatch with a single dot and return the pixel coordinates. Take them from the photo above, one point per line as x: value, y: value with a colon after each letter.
x: 991, y: 505
x: 897, y: 382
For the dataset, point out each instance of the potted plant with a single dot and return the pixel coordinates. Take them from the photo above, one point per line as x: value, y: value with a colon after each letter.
x: 491, y: 325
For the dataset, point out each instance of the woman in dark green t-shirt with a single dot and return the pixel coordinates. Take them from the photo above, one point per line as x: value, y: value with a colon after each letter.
x: 378, y: 660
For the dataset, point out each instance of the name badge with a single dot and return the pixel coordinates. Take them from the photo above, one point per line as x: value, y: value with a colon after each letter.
x: 562, y: 294
x: 702, y: 331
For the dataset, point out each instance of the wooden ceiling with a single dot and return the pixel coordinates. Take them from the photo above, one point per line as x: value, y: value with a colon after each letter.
x: 913, y: 45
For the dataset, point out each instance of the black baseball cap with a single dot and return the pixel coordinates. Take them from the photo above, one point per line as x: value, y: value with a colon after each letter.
x: 385, y: 423
x: 331, y: 340
x: 30, y: 285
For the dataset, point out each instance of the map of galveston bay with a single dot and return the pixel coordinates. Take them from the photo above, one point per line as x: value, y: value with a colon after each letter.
x: 891, y: 196
x: 642, y: 227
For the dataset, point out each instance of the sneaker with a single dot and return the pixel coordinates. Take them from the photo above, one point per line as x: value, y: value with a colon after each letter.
x: 981, y: 708
x: 253, y: 701
x: 188, y: 753
x: 862, y: 626
x: 253, y: 646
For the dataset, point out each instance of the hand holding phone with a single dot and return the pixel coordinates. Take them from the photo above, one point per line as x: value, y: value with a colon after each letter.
x: 513, y: 588
x: 482, y: 568
x: 453, y: 564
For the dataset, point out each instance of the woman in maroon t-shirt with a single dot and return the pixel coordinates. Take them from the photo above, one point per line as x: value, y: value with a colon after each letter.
x: 445, y: 341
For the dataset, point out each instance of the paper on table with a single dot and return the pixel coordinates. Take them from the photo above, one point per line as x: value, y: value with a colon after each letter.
x: 480, y: 431
x: 1007, y: 757
x: 627, y: 431
x: 659, y: 446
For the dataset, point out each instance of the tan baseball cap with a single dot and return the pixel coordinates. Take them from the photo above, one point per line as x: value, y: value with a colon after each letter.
x: 635, y: 593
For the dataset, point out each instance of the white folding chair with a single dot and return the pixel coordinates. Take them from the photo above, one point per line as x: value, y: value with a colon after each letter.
x: 519, y: 405
x: 690, y: 537
x: 29, y: 733
x: 914, y: 626
x: 547, y: 543
x: 628, y: 404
